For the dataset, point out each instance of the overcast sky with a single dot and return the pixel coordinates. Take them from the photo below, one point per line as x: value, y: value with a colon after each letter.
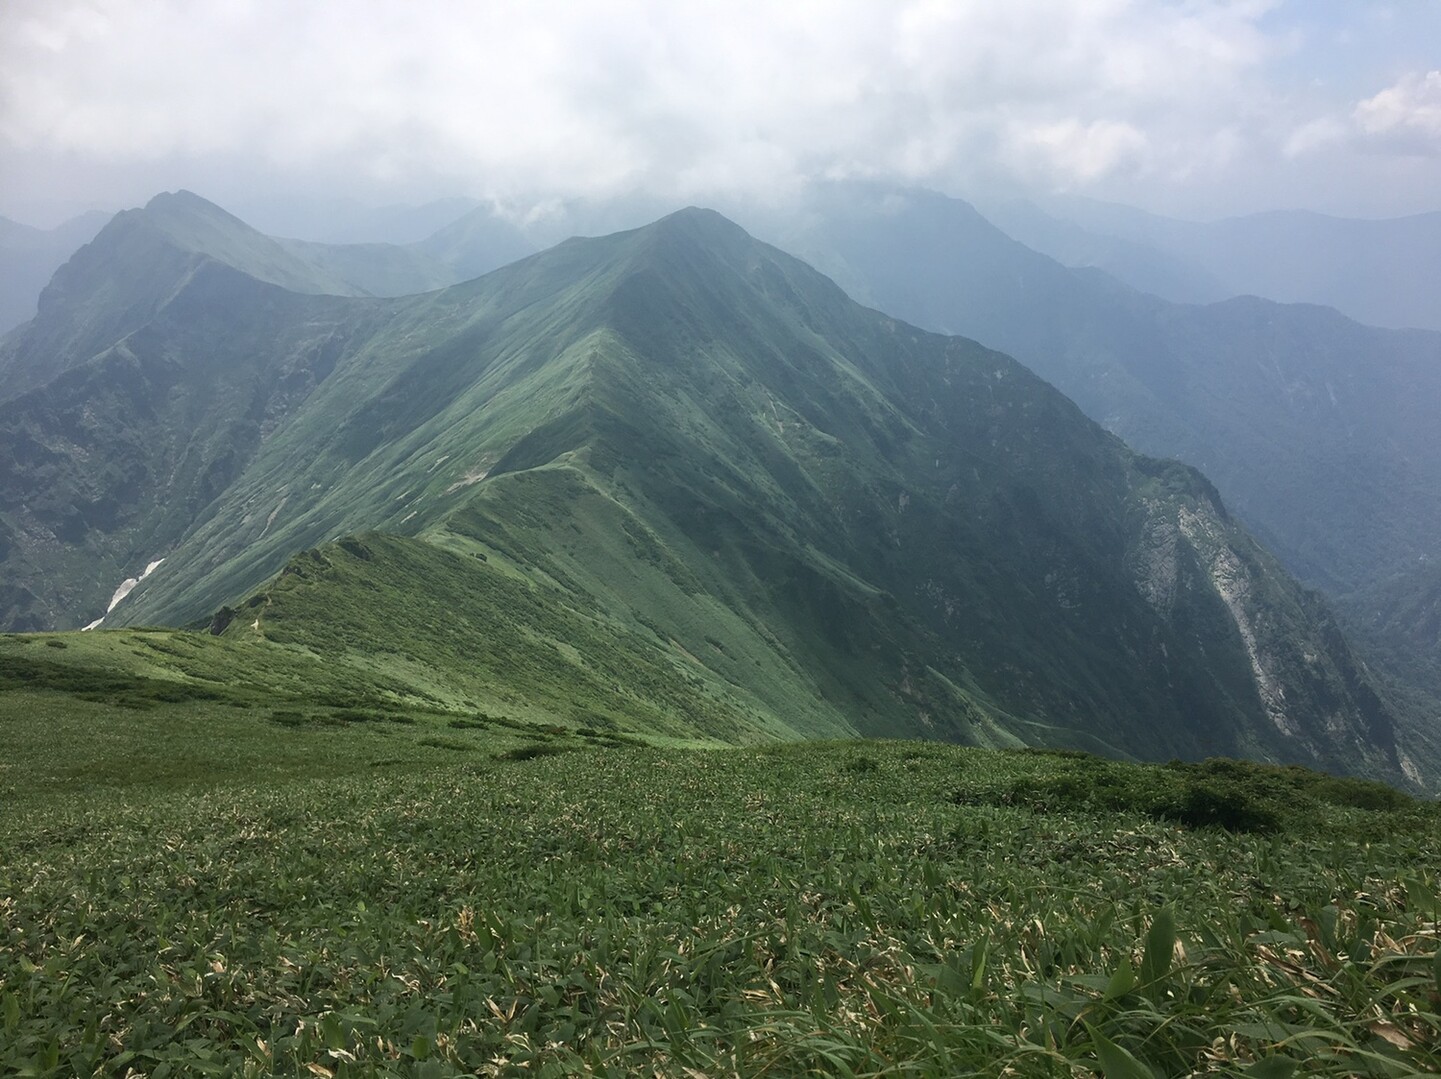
x: 1189, y: 107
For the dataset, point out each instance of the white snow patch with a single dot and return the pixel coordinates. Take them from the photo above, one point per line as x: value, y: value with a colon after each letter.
x: 93, y: 625
x: 468, y: 479
x: 126, y: 587
x: 273, y: 514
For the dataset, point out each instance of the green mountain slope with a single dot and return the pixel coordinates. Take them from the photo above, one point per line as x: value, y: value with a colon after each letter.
x: 143, y: 258
x: 103, y: 469
x: 358, y: 892
x: 372, y: 269
x: 700, y: 451
x: 1321, y: 433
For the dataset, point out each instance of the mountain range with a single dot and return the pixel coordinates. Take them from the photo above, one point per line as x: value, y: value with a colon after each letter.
x: 1320, y: 432
x: 1380, y: 272
x: 669, y: 477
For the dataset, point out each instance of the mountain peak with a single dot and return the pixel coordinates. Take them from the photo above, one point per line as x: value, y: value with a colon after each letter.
x: 699, y: 217
x: 698, y: 224
x: 194, y: 225
x: 183, y: 199
x: 197, y: 224
x: 191, y: 220
x: 133, y: 268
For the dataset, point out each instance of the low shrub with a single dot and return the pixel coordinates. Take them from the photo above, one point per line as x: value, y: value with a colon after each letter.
x: 455, y: 744
x: 530, y: 753
x: 1203, y: 804
x: 467, y: 723
x: 1361, y: 794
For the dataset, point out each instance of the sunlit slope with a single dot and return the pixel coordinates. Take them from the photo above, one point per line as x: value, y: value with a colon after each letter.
x: 690, y: 435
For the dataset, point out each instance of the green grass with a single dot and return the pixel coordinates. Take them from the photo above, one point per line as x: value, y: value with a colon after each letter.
x: 152, y: 711
x: 833, y: 908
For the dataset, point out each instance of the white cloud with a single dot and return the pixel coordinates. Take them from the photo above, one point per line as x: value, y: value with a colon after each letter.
x: 552, y: 98
x: 1403, y: 119
x: 1071, y: 151
x: 1408, y: 112
x: 1315, y: 135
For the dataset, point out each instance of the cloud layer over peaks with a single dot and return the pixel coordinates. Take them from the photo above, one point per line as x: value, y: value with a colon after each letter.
x: 549, y: 99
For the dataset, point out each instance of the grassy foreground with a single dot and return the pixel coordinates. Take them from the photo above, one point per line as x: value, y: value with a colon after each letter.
x: 836, y: 908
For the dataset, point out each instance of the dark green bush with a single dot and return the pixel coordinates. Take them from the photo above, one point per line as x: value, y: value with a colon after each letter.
x: 436, y: 742
x: 1205, y: 804
x: 528, y: 753
x: 1361, y: 794
x: 1058, y: 752
x: 355, y: 715
x: 467, y: 723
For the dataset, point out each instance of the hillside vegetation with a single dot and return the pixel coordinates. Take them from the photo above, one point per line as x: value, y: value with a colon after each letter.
x: 734, y: 500
x: 253, y: 881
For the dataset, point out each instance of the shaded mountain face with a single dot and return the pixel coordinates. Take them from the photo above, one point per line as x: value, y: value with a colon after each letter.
x: 1401, y: 620
x: 143, y: 258
x: 128, y: 275
x: 1132, y: 261
x: 675, y: 473
x: 475, y: 244
x: 1320, y: 432
x: 125, y: 451
x: 29, y: 257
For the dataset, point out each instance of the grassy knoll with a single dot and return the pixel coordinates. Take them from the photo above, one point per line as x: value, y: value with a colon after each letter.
x: 150, y: 713
x: 826, y: 908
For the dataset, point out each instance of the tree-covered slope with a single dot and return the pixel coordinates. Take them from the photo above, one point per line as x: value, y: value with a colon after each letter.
x: 1399, y: 622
